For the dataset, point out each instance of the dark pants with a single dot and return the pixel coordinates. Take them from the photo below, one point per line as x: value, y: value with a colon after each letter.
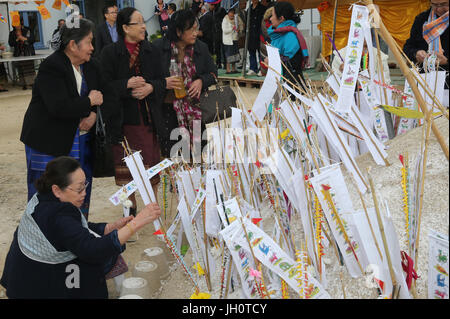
x: 253, y: 62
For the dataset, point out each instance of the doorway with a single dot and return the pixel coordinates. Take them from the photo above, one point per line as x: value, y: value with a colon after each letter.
x: 32, y: 20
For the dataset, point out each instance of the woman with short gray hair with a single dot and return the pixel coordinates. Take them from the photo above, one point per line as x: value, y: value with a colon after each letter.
x: 62, y: 111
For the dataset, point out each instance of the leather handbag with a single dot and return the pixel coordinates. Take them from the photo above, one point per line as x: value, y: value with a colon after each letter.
x: 222, y: 97
x: 103, y: 158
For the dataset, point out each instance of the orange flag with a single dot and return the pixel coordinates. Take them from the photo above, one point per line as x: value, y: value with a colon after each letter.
x: 44, y: 12
x: 39, y: 2
x: 57, y: 5
x: 15, y: 18
x: 66, y: 2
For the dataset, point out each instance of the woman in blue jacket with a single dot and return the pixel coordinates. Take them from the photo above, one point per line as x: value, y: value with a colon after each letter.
x: 285, y: 36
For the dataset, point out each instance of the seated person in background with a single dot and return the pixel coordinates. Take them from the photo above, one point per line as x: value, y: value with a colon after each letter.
x: 338, y: 66
x: 429, y: 34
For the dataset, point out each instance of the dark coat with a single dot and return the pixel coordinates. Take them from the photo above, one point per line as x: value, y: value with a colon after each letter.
x: 206, y: 71
x: 416, y: 41
x: 56, y: 108
x: 61, y: 224
x: 256, y: 16
x: 125, y: 110
x: 102, y: 38
x: 27, y: 48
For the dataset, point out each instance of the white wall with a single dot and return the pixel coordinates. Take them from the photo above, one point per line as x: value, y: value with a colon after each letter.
x: 147, y: 8
x: 48, y: 26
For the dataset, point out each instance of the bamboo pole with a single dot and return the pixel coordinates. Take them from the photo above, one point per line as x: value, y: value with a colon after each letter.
x: 409, y: 77
x: 383, y: 236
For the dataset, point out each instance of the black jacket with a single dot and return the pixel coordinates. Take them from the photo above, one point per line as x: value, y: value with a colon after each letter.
x: 61, y: 224
x: 256, y: 16
x: 102, y: 38
x: 25, y: 49
x: 56, y: 108
x: 416, y: 41
x: 206, y: 70
x: 125, y: 110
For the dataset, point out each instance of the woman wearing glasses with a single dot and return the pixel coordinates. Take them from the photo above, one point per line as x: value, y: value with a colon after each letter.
x: 55, y: 252
x: 62, y: 111
x: 183, y: 56
x: 132, y: 67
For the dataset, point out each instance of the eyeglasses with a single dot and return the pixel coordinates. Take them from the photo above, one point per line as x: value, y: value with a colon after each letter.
x: 113, y: 12
x: 79, y: 191
x: 136, y: 23
x: 439, y: 5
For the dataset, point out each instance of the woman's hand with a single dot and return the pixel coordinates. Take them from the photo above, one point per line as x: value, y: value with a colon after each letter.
x: 135, y: 82
x: 117, y: 224
x: 196, y: 89
x: 96, y: 98
x: 441, y: 58
x: 173, y: 82
x: 421, y: 55
x: 147, y: 215
x: 142, y: 92
x: 87, y: 122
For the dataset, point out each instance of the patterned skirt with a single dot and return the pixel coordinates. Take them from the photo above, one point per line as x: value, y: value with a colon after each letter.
x: 140, y: 138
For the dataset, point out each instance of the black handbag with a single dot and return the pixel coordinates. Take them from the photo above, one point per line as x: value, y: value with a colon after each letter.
x: 222, y: 97
x: 103, y: 159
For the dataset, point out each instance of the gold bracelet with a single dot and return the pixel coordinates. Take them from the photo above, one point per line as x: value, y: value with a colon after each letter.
x: 131, y: 228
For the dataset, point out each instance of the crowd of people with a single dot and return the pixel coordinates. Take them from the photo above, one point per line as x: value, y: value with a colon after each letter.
x: 114, y: 69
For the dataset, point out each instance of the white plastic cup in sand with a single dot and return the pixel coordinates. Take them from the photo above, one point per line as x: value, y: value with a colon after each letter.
x: 156, y: 254
x: 149, y: 270
x: 131, y: 297
x: 135, y: 286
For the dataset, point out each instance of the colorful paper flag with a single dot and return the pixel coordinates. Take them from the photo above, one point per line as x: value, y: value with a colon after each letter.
x: 57, y: 5
x: 3, y: 19
x: 15, y: 18
x: 44, y: 12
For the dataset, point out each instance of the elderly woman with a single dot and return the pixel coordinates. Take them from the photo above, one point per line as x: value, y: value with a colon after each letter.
x: 55, y: 252
x: 63, y: 106
x: 132, y: 67
x: 232, y: 25
x: 190, y: 58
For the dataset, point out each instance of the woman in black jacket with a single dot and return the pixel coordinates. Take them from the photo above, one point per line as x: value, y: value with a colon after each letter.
x: 132, y: 67
x: 63, y: 106
x: 184, y: 54
x: 55, y: 252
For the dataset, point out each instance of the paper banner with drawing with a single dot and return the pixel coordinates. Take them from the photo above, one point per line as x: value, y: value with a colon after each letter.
x: 438, y: 266
x: 137, y: 170
x: 131, y: 187
x: 242, y: 259
x: 373, y: 100
x: 340, y: 197
x: 277, y: 260
x: 355, y: 44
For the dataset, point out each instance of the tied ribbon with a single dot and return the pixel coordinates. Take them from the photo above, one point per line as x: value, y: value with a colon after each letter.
x: 408, y: 267
x: 158, y: 232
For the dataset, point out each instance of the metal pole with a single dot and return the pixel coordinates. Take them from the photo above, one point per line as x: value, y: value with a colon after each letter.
x: 247, y: 31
